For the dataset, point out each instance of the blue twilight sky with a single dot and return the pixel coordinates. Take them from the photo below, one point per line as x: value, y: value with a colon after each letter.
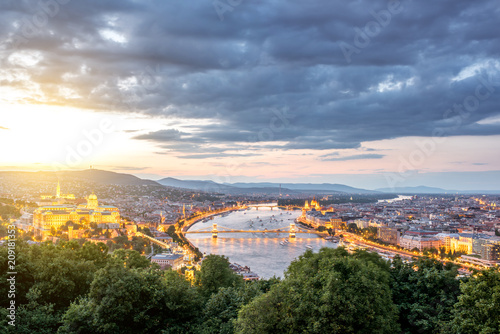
x: 364, y: 92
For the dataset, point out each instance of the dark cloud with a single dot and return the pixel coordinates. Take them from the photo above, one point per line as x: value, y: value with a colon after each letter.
x: 271, y: 74
x: 166, y: 135
x: 332, y: 157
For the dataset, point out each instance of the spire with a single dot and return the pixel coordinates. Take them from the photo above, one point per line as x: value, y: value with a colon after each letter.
x: 58, y: 191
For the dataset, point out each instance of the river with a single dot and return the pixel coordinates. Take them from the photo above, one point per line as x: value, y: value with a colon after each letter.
x: 399, y: 198
x: 263, y: 253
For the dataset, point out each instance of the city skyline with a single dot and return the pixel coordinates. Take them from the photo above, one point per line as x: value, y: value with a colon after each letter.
x: 370, y: 94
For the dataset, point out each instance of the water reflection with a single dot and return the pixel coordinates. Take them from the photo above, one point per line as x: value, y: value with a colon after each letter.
x: 266, y: 254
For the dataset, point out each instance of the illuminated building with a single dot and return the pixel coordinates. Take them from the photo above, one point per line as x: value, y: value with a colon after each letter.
x: 491, y: 251
x: 46, y: 217
x: 58, y: 198
x: 457, y: 243
x: 165, y: 260
x: 419, y: 241
x: 389, y: 235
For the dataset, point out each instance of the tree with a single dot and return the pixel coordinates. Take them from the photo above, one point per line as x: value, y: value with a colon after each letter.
x: 35, y: 318
x: 215, y: 273
x: 96, y: 253
x: 352, y: 228
x: 424, y: 292
x: 123, y: 300
x: 478, y: 308
x: 62, y: 277
x: 327, y: 292
x: 222, y: 308
x: 130, y: 258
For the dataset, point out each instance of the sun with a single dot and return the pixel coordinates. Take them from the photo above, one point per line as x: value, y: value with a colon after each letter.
x: 39, y: 134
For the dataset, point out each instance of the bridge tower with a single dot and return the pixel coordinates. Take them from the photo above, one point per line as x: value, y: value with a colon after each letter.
x: 214, y: 231
x: 293, y: 230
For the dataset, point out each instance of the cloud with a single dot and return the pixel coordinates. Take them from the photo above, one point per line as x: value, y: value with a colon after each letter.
x: 3, y: 128
x: 355, y: 157
x: 215, y: 155
x: 166, y: 135
x: 220, y: 83
x: 128, y: 168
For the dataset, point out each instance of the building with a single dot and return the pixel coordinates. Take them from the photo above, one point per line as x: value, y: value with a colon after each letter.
x: 491, y: 251
x: 463, y: 242
x: 389, y: 235
x: 336, y: 223
x: 56, y: 216
x: 25, y: 222
x: 420, y: 242
x: 165, y: 260
x: 59, y: 198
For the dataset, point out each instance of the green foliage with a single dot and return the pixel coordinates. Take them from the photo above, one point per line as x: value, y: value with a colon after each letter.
x: 327, y: 292
x: 35, y: 318
x: 9, y: 211
x: 60, y: 272
x: 424, y: 292
x: 222, y: 308
x: 215, y: 273
x: 130, y: 259
x: 77, y: 287
x: 123, y: 300
x: 478, y: 308
x: 353, y: 228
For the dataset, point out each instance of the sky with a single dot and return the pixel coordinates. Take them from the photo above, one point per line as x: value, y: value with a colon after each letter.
x: 366, y: 93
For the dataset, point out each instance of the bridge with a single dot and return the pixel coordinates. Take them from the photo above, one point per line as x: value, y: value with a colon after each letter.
x: 272, y: 206
x: 290, y: 230
x: 257, y: 206
x: 153, y: 240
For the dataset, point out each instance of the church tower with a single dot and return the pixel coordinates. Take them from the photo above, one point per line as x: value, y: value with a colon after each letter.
x: 58, y: 191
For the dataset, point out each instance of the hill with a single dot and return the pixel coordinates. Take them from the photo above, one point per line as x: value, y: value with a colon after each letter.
x: 88, y: 175
x: 416, y: 190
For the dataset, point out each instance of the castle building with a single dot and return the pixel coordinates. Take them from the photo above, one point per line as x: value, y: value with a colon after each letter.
x: 46, y: 217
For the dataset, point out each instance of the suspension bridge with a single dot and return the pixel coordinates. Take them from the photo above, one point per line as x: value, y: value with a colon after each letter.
x: 257, y: 206
x: 291, y: 230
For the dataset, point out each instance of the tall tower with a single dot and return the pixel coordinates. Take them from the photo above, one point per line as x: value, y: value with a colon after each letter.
x: 58, y: 191
x: 184, y: 210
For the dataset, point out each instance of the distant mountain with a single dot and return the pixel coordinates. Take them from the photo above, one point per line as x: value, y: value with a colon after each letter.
x: 263, y: 187
x: 416, y: 190
x: 89, y: 175
x: 328, y: 187
x: 209, y: 186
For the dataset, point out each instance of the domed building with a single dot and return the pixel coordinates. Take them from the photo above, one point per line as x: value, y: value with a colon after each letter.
x: 46, y: 217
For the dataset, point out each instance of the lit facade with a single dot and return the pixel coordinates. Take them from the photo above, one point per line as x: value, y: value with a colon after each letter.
x: 419, y: 242
x: 389, y: 235
x: 175, y: 261
x: 46, y: 217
